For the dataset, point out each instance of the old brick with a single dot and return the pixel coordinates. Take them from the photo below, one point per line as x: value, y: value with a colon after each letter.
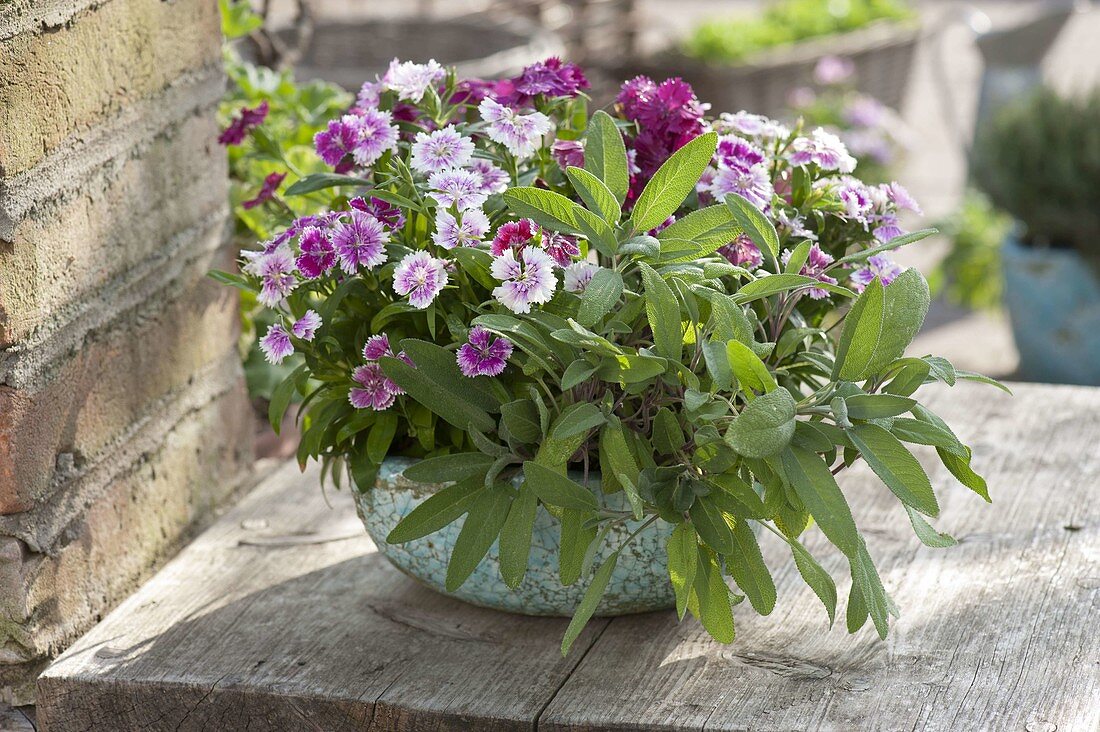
x: 106, y: 386
x: 66, y: 250
x: 137, y: 521
x: 54, y: 85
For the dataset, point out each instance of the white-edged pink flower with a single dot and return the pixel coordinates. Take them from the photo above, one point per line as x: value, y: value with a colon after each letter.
x: 578, y: 275
x: 420, y: 276
x: 519, y: 133
x: 374, y: 135
x: 410, y: 80
x: 823, y: 148
x: 306, y: 326
x: 458, y: 188
x: 360, y: 242
x: 441, y: 149
x: 276, y: 345
x: 493, y: 179
x: 468, y: 230
x: 527, y: 280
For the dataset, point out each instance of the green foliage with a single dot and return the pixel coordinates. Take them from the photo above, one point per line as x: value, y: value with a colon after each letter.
x: 1039, y: 160
x: 970, y: 274
x: 784, y: 22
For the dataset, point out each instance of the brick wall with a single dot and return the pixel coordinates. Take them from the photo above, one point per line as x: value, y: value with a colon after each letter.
x: 123, y: 422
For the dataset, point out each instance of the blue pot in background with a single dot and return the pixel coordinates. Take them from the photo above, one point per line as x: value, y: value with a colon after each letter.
x: 639, y: 583
x: 1053, y: 301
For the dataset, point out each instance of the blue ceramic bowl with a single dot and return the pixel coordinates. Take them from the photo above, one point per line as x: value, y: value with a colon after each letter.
x: 639, y: 584
x: 1053, y: 300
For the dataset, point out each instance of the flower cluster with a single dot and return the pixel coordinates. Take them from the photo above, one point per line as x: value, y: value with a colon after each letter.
x: 502, y: 281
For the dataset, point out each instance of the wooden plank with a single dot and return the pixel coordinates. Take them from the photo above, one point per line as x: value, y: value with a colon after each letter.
x: 283, y: 616
x: 1000, y: 632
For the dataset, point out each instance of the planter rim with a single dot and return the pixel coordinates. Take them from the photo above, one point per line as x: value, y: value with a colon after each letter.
x: 880, y: 34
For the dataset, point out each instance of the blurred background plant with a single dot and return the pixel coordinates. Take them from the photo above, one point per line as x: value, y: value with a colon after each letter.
x: 785, y: 22
x: 873, y: 132
x: 295, y: 112
x: 1039, y: 160
x: 970, y: 274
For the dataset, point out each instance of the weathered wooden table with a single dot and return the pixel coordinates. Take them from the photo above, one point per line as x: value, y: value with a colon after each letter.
x: 283, y: 617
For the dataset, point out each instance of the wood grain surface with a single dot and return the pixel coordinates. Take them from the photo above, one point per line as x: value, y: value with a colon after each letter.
x: 283, y: 617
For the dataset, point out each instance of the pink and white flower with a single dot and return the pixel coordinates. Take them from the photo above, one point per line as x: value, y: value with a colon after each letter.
x: 306, y: 326
x: 375, y: 135
x: 420, y: 276
x: 360, y: 242
x: 527, y: 280
x: 578, y: 275
x: 467, y: 230
x: 410, y: 80
x: 276, y: 345
x: 445, y: 148
x: 519, y: 133
x: 459, y: 188
x: 493, y: 179
x: 878, y: 265
x: 371, y: 392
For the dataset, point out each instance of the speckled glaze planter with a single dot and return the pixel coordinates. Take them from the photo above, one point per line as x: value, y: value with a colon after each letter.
x: 639, y: 584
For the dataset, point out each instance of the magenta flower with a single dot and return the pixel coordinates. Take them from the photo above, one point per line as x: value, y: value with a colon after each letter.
x: 521, y: 134
x: 371, y: 392
x: 337, y: 141
x: 483, y: 355
x: 389, y: 214
x: 440, y: 150
x: 376, y: 347
x: 276, y: 345
x: 668, y: 115
x: 360, y: 242
x: 568, y: 153
x: 306, y: 326
x: 878, y: 265
x: 459, y: 188
x: 733, y: 151
x: 551, y: 78
x: 410, y: 80
x: 528, y: 280
x: 243, y: 123
x: 317, y: 255
x: 465, y: 231
x: 815, y: 265
x: 420, y: 276
x: 267, y: 190
x: 560, y: 247
x: 824, y: 149
x: 742, y: 252
x: 578, y: 275
x: 493, y: 179
x: 375, y: 135
x: 887, y: 227
x: 514, y: 235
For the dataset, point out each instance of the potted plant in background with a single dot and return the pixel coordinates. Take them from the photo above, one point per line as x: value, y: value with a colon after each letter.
x: 1039, y: 160
x: 573, y: 363
x: 753, y: 62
